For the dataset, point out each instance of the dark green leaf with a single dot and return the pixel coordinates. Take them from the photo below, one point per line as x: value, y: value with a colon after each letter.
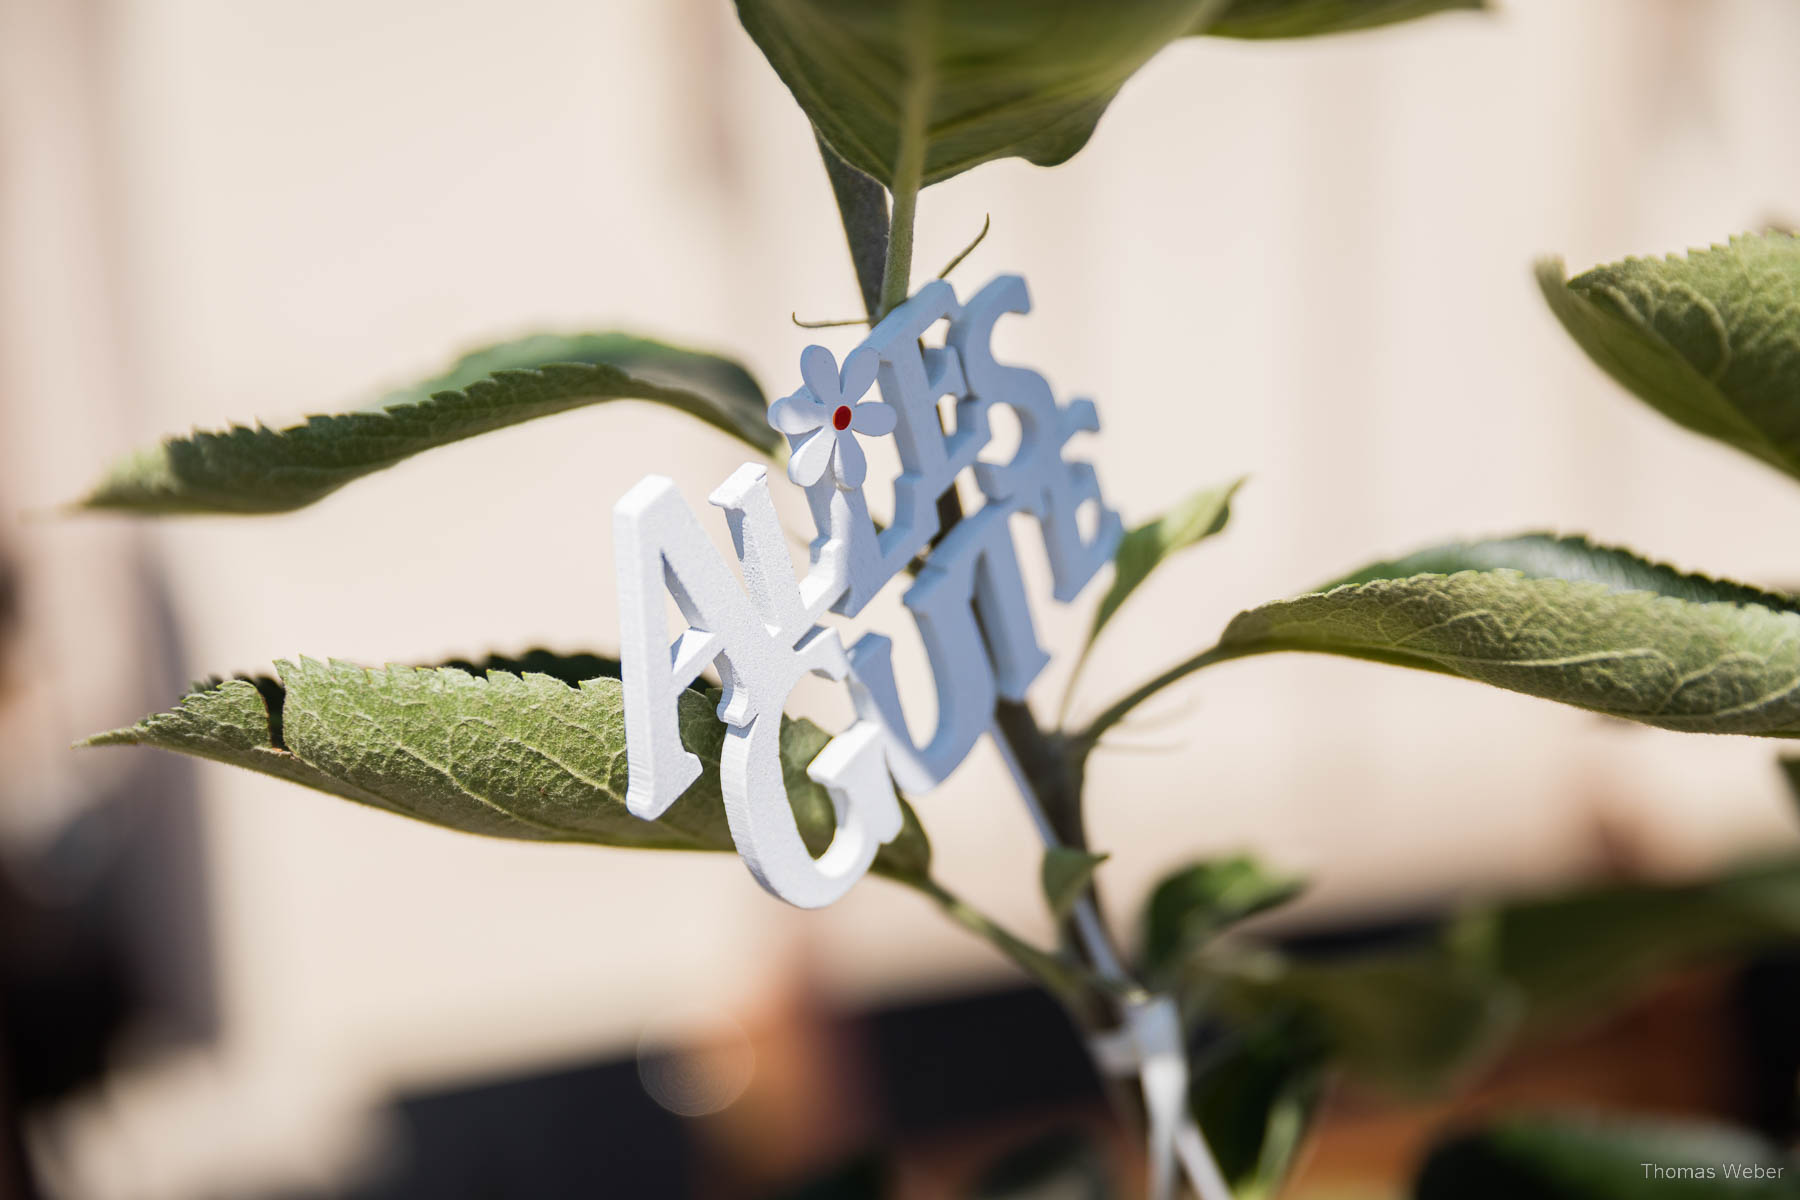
x: 1409, y: 1020
x: 1311, y: 18
x: 1570, y: 955
x: 1790, y: 770
x: 262, y: 470
x: 1253, y: 1094
x: 1710, y: 340
x: 1065, y: 874
x: 1593, y: 1158
x: 1416, y: 1017
x: 537, y: 756
x: 1575, y: 559
x: 920, y: 90
x: 1197, y: 901
x: 1559, y: 621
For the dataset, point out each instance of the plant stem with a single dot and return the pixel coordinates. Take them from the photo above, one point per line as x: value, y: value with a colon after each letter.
x: 909, y: 176
x: 987, y: 223
x: 1073, y: 986
x: 896, y: 275
x: 1044, y: 765
x: 1090, y: 931
x: 1047, y: 773
x: 1088, y: 738
x: 1048, y: 776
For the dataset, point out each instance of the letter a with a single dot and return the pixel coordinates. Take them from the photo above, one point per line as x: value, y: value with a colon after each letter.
x: 762, y: 649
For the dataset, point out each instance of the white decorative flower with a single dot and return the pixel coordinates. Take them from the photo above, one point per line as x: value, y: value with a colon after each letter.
x: 826, y: 415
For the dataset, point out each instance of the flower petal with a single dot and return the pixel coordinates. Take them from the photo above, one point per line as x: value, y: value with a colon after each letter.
x: 798, y: 413
x: 852, y: 467
x: 818, y: 367
x: 858, y: 373
x: 811, y: 458
x: 873, y: 418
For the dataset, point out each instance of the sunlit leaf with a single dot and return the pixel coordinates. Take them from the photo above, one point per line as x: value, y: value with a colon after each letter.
x: 1704, y: 668
x: 925, y: 90
x: 262, y: 470
x: 1148, y: 546
x: 1562, y: 620
x: 530, y: 748
x: 1312, y: 18
x: 1710, y: 339
x: 1573, y: 558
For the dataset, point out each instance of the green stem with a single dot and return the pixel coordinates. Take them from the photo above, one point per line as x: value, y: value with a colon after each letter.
x: 1085, y: 741
x: 1073, y: 985
x: 896, y: 274
x: 1049, y: 771
x: 909, y: 177
x: 1088, y: 999
x: 1042, y: 759
x: 1053, y: 774
x: 1068, y: 696
x: 987, y: 223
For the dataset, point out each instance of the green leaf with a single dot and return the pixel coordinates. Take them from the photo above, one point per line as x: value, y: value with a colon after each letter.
x: 1571, y: 955
x: 1416, y: 1016
x: 1409, y: 1020
x: 1593, y: 1158
x: 912, y: 92
x: 1575, y: 559
x: 1311, y: 18
x: 1196, y: 902
x: 1556, y: 617
x: 263, y: 470
x: 1710, y: 340
x: 530, y: 748
x: 1790, y: 770
x: 1146, y: 547
x: 1066, y: 873
x: 1254, y: 1093
x: 1561, y: 620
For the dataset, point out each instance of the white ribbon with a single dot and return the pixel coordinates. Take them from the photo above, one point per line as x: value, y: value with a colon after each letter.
x: 1150, y: 1045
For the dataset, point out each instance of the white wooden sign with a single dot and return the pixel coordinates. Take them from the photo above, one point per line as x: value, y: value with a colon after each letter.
x: 968, y: 599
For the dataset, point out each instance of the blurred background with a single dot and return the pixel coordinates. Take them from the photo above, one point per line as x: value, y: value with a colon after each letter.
x: 1305, y: 262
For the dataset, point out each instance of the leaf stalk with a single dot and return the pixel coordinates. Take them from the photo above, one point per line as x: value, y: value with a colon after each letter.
x: 1089, y: 737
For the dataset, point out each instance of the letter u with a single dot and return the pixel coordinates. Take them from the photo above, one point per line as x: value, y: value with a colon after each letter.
x: 969, y: 587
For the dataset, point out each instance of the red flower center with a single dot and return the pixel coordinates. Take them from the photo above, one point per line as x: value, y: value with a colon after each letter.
x: 841, y: 418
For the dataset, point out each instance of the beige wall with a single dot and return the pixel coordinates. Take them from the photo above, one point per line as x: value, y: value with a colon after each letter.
x: 1309, y: 263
